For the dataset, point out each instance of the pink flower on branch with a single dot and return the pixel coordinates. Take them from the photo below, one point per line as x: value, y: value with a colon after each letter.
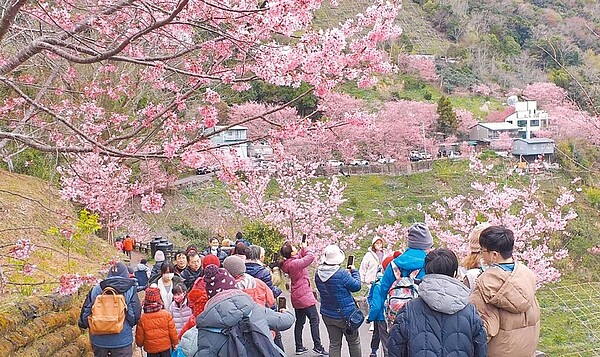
x: 535, y: 224
x: 22, y: 249
x: 152, y: 202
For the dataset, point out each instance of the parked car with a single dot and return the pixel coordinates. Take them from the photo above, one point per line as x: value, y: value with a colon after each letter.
x: 335, y: 163
x: 206, y: 170
x: 454, y: 155
x: 359, y: 162
x: 415, y: 156
x: 386, y: 160
x: 425, y: 155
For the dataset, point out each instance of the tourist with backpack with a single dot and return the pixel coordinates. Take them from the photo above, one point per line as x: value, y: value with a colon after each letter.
x: 232, y: 324
x: 336, y: 286
x: 376, y: 311
x: 400, y: 279
x: 441, y: 321
x: 116, y: 337
x: 295, y: 264
x: 156, y: 331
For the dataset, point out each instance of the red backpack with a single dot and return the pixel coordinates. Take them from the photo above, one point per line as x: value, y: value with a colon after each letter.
x: 403, y: 290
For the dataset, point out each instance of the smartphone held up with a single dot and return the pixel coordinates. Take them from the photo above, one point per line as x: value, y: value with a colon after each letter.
x: 350, y: 261
x: 281, y: 303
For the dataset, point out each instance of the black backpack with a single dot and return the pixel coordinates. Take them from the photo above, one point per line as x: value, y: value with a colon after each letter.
x: 246, y: 340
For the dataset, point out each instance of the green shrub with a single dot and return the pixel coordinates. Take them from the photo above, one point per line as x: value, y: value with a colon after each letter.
x: 488, y: 154
x: 197, y: 237
x: 592, y: 194
x: 266, y: 236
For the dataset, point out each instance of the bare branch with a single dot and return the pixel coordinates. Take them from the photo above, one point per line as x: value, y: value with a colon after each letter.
x: 9, y: 16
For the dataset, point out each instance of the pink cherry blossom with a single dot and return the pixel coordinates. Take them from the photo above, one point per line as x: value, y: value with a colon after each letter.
x: 152, y: 202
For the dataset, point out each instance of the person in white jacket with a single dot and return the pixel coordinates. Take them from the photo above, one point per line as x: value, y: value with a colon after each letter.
x: 372, y: 260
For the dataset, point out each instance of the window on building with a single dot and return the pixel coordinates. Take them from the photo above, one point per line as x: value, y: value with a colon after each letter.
x: 521, y: 123
x: 534, y: 123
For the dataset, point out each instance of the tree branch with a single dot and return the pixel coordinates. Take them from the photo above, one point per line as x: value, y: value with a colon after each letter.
x: 9, y: 17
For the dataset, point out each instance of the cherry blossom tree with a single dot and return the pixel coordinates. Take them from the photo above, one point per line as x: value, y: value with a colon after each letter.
x: 566, y: 118
x: 424, y: 66
x: 127, y: 80
x: 534, y: 222
x: 299, y: 206
x: 503, y: 143
x: 500, y: 115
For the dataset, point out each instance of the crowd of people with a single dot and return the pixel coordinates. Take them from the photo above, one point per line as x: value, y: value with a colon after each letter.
x: 226, y: 302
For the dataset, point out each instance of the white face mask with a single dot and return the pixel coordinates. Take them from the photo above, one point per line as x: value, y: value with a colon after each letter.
x: 169, y: 276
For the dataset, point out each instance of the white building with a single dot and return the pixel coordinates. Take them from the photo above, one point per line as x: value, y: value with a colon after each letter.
x: 234, y: 138
x: 528, y: 118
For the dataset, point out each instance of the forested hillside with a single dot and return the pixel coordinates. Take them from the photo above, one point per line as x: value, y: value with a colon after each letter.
x: 502, y: 43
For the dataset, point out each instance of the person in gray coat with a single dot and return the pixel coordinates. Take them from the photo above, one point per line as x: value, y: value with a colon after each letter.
x: 441, y: 321
x: 226, y: 307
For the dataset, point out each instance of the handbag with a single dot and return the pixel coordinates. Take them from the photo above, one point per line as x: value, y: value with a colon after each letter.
x: 356, y: 317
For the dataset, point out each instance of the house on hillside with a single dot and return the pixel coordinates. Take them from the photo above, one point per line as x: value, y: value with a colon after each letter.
x: 234, y: 138
x: 488, y: 132
x: 528, y: 118
x: 260, y: 150
x: 531, y: 149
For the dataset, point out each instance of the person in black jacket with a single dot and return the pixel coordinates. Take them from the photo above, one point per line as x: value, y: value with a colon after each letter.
x: 441, y: 321
x: 193, y: 271
x: 254, y: 266
x: 215, y: 249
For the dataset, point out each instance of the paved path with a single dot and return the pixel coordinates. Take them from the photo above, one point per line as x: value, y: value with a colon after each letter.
x: 194, y: 179
x: 290, y: 348
x: 288, y: 336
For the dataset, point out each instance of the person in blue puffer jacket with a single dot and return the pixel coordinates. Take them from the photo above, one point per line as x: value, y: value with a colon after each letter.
x: 118, y: 344
x: 254, y: 266
x: 419, y: 243
x: 336, y: 286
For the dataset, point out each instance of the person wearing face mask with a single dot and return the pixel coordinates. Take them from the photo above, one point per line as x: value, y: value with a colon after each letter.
x: 193, y: 271
x: 179, y: 308
x: 166, y: 282
x: 215, y: 249
x: 181, y: 262
x: 371, y: 263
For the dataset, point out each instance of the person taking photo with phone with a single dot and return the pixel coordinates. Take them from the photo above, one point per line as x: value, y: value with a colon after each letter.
x: 295, y: 264
x: 336, y: 286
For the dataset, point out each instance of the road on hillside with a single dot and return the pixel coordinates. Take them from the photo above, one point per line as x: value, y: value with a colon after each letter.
x: 193, y: 179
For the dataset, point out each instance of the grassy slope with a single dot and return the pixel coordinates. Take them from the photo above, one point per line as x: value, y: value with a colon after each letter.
x: 28, y: 207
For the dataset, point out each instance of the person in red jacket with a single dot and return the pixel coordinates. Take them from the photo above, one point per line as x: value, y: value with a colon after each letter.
x: 128, y: 244
x: 156, y: 330
x: 303, y: 300
x: 197, y: 297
